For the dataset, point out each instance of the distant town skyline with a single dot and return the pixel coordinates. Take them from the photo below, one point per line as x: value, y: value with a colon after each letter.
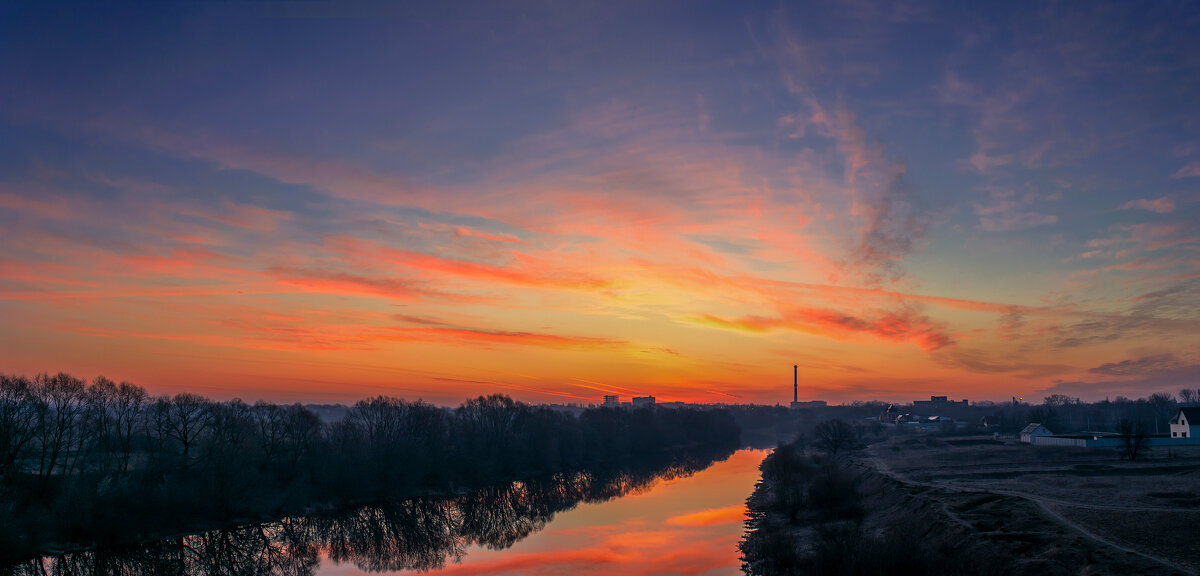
x: 320, y: 202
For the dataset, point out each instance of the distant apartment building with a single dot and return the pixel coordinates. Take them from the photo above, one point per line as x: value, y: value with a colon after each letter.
x: 612, y: 401
x: 937, y: 403
x: 809, y: 404
x: 643, y: 401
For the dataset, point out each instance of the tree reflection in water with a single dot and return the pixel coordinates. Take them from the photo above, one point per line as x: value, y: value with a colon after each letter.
x: 415, y: 534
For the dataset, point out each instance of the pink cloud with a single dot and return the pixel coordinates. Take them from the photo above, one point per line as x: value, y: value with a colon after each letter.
x: 1006, y: 211
x: 1016, y: 221
x: 1162, y: 205
x: 38, y: 203
x: 1190, y: 170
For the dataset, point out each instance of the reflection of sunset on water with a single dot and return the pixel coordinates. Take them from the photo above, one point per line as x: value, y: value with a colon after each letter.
x: 687, y: 525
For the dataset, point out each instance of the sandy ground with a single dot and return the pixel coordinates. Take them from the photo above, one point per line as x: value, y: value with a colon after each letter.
x: 1125, y: 517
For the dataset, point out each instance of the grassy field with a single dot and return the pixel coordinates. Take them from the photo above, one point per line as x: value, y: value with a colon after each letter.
x: 1046, y: 504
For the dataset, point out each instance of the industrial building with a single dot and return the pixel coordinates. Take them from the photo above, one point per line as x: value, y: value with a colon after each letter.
x: 796, y: 403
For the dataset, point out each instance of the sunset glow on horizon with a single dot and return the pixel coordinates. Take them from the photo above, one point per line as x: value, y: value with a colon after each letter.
x: 319, y: 202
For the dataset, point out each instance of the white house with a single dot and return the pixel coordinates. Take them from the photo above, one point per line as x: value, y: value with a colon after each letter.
x: 1034, y: 429
x: 1186, y: 423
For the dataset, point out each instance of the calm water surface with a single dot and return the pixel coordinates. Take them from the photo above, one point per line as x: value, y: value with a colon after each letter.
x: 682, y: 526
x: 679, y: 517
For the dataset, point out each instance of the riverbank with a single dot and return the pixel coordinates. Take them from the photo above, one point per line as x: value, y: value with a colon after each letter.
x: 102, y: 466
x: 907, y: 526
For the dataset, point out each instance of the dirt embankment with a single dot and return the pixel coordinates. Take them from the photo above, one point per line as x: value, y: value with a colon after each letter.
x: 916, y: 521
x: 1060, y: 510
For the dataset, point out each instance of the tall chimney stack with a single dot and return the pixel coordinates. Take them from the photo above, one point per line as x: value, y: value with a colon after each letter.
x: 795, y: 380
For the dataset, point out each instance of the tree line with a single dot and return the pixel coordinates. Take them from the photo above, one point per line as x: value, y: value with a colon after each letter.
x: 102, y: 463
x: 1063, y: 413
x: 764, y: 426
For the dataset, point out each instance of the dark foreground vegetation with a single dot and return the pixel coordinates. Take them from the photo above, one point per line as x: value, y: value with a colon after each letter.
x: 838, y: 509
x: 421, y: 533
x: 106, y: 464
x: 817, y: 514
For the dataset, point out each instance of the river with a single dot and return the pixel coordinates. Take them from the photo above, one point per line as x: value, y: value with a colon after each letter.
x: 688, y: 525
x: 685, y: 518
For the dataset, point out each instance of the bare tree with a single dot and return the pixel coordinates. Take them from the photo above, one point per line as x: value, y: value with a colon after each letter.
x: 1187, y: 396
x: 99, y: 399
x: 300, y: 429
x: 270, y: 420
x: 285, y: 433
x: 834, y: 436
x: 1134, y: 439
x: 1163, y: 403
x: 18, y: 421
x: 58, y: 402
x: 1060, y: 400
x: 129, y: 415
x: 183, y: 420
x: 492, y: 415
x: 231, y: 423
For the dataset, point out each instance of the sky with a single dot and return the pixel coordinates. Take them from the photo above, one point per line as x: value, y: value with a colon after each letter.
x: 323, y: 201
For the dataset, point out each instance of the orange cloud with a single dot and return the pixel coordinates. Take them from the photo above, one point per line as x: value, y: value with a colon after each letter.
x: 521, y: 269
x: 181, y: 263
x: 743, y: 288
x: 902, y: 325
x: 472, y: 233
x: 506, y: 337
x: 327, y: 282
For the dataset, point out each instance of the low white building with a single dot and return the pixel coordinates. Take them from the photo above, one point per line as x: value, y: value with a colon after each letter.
x: 1186, y: 423
x: 1034, y: 429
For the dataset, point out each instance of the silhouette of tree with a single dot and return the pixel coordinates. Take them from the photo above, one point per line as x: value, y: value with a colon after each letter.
x: 1134, y: 439
x: 128, y: 417
x: 58, y: 402
x: 1187, y: 396
x: 1060, y: 400
x: 183, y: 420
x: 834, y: 436
x: 106, y: 463
x: 1163, y: 403
x: 18, y: 422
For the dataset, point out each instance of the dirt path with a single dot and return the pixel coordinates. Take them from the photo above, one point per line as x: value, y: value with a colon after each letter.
x: 1052, y: 513
x: 951, y: 485
x: 1044, y: 504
